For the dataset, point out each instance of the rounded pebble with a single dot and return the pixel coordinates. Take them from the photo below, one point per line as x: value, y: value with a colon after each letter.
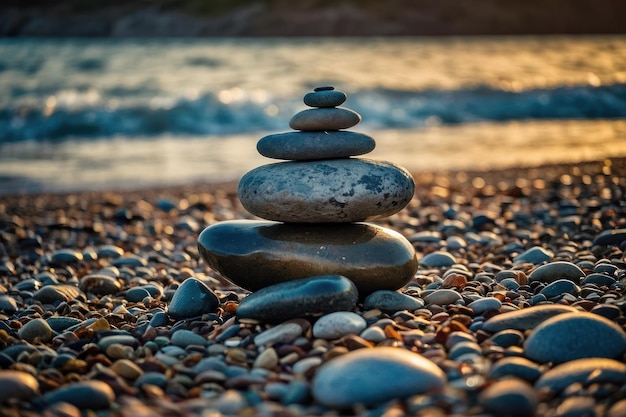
x: 338, y: 324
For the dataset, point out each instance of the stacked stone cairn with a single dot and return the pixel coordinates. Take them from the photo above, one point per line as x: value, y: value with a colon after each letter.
x: 316, y: 204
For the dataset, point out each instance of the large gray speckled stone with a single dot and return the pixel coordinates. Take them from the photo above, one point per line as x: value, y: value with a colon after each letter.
x: 257, y: 254
x: 373, y: 376
x: 326, y: 191
x: 303, y: 146
x: 571, y: 336
x: 333, y: 118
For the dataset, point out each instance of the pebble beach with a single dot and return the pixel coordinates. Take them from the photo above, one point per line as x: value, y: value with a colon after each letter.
x: 517, y: 307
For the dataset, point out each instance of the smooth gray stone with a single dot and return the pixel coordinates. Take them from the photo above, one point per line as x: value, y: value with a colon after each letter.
x: 535, y: 255
x: 36, y: 330
x: 17, y: 385
x: 304, y: 146
x: 326, y: 191
x: 185, y: 337
x: 325, y: 98
x: 585, y: 371
x: 51, y: 293
x: 257, y: 254
x: 307, y: 297
x: 483, y: 305
x: 192, y: 298
x: 610, y: 237
x: 92, y: 394
x: 510, y: 397
x: 372, y: 376
x: 555, y: 271
x: 443, y: 297
x: 8, y: 304
x: 527, y: 318
x: 338, y: 324
x: 386, y: 300
x: 99, y: 284
x: 66, y: 256
x: 515, y: 366
x: 559, y: 287
x: 572, y: 336
x: 438, y: 259
x: 334, y: 118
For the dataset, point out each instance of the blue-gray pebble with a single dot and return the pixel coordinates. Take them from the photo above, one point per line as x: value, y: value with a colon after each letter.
x: 305, y: 146
x: 192, y: 298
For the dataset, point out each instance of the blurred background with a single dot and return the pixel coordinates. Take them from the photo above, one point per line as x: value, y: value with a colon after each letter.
x: 126, y: 94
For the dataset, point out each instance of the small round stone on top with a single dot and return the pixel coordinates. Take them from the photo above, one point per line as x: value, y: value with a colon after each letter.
x: 324, y: 97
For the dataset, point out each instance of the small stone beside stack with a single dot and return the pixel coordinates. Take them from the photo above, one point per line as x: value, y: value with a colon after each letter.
x: 313, y: 202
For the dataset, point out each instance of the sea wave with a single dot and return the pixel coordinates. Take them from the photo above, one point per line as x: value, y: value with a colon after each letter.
x: 110, y: 114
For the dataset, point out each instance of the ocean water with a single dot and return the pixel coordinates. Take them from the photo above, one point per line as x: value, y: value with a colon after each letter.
x: 94, y: 114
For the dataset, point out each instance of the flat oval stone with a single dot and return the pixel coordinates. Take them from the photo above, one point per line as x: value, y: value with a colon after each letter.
x: 559, y: 287
x: 525, y: 319
x: 585, y: 371
x: 483, y: 305
x: 303, y: 146
x: 305, y: 297
x: 372, y: 376
x: 438, y: 259
x: 192, y: 298
x: 99, y: 284
x: 514, y: 366
x: 185, y: 338
x: 510, y: 397
x: 51, y: 293
x: 386, y: 300
x: 338, y: 324
x: 282, y: 333
x: 535, y: 255
x: 443, y: 297
x: 326, y: 191
x: 555, y: 271
x: 334, y: 118
x: 257, y: 254
x: 18, y: 385
x: 90, y: 394
x: 325, y: 98
x: 572, y: 336
x: 610, y: 237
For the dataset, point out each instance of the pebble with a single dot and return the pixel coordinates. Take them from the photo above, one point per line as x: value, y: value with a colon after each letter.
x: 443, y: 297
x: 372, y: 257
x: 307, y: 146
x: 334, y: 118
x: 192, y: 298
x: 267, y: 359
x: 8, y: 304
x: 330, y: 190
x: 387, y: 300
x: 585, y: 371
x: 66, y: 256
x: 506, y: 338
x: 572, y: 336
x: 305, y: 297
x: 17, y: 385
x: 92, y: 394
x: 438, y: 259
x: 482, y: 305
x: 535, y: 255
x: 126, y: 369
x: 338, y: 324
x: 559, y: 287
x: 185, y: 338
x: 610, y: 237
x: 36, y: 330
x: 525, y: 319
x: 282, y: 333
x: 509, y: 397
x: 99, y: 284
x: 576, y: 407
x: 373, y: 376
x: 325, y: 98
x: 515, y: 367
x: 555, y: 271
x: 50, y: 294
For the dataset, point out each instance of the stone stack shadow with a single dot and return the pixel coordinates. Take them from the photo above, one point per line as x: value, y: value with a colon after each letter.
x: 315, y: 204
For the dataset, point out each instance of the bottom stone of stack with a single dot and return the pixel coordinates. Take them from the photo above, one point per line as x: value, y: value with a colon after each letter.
x: 255, y: 254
